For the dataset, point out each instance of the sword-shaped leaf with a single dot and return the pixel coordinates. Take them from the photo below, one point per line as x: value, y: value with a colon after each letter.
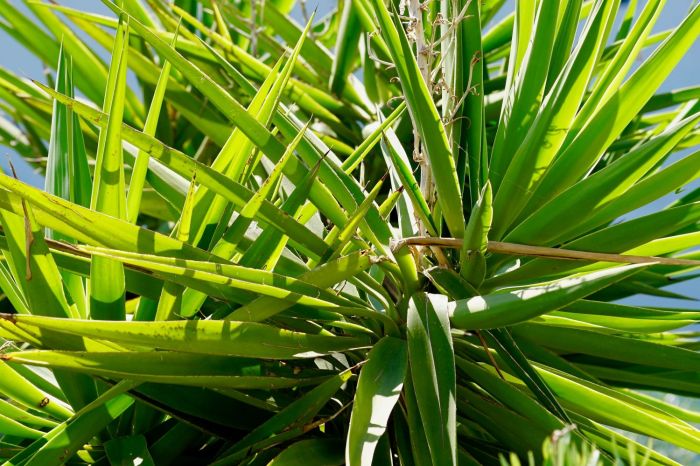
x: 245, y: 339
x: 510, y: 307
x: 170, y: 367
x: 107, y: 286
x: 431, y: 358
x: 378, y: 390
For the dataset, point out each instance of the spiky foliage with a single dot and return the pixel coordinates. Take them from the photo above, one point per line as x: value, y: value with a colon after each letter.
x: 389, y: 237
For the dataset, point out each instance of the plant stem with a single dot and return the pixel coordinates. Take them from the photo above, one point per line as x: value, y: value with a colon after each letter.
x: 499, y: 247
x: 422, y: 56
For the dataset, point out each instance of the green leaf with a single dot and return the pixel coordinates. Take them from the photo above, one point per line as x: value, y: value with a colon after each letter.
x: 268, y: 247
x: 612, y: 441
x: 412, y: 444
x: 169, y: 367
x: 396, y: 156
x: 107, y: 286
x: 318, y: 452
x: 238, y: 157
x: 33, y: 38
x: 140, y: 166
x: 89, y: 226
x: 308, y: 97
x: 126, y: 451
x: 611, y: 347
x: 650, y: 188
x: 425, y: 117
x: 186, y: 167
x: 338, y: 238
x: 18, y: 414
x: 346, y: 48
x: 67, y: 438
x: 467, y: 122
x: 246, y: 339
x: 617, y: 238
x: 231, y: 108
x: 13, y: 428
x: 614, y: 115
x: 313, y: 51
x: 17, y: 388
x: 364, y: 149
x: 624, y: 59
x: 11, y: 290
x: 510, y: 307
x: 431, y: 358
x: 224, y: 280
x: 472, y: 261
x: 378, y: 390
x: 324, y: 276
x: 170, y: 299
x: 569, y: 19
x: 527, y: 74
x: 509, y: 395
x: 450, y: 283
x: 510, y: 351
x: 626, y: 318
x: 189, y: 105
x: 612, y: 408
x: 42, y: 285
x: 93, y: 74
x: 538, y: 137
x: 290, y: 421
x: 170, y: 447
x: 31, y: 263
x: 544, y: 227
x: 67, y: 171
x: 228, y: 244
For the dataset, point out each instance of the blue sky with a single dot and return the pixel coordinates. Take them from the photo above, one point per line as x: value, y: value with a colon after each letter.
x: 15, y: 58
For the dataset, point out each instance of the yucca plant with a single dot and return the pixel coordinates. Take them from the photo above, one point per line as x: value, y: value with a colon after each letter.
x: 561, y: 450
x: 390, y: 236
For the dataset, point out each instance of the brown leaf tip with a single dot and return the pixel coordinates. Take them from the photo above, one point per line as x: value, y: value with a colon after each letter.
x: 9, y: 317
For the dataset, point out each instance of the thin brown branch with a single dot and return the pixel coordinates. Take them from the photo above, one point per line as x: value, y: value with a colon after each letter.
x: 551, y: 253
x: 490, y: 356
